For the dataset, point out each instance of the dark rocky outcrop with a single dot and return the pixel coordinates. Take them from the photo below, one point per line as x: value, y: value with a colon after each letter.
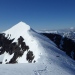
x: 63, y: 43
x: 18, y: 48
x: 30, y: 56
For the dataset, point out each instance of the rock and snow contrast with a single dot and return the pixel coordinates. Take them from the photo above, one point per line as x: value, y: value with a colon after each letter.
x: 21, y: 44
x: 63, y: 43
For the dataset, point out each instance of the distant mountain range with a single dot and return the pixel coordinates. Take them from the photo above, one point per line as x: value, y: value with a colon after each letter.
x: 69, y: 33
x: 64, y: 39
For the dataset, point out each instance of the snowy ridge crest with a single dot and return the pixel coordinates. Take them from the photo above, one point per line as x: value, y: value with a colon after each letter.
x: 20, y: 27
x: 26, y: 35
x: 18, y: 30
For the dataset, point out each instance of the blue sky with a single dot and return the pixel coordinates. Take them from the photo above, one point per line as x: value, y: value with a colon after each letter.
x: 39, y: 14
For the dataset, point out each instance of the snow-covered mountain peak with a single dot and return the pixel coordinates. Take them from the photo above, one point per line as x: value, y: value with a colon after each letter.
x: 21, y: 44
x: 22, y: 26
x: 23, y: 31
x: 18, y: 29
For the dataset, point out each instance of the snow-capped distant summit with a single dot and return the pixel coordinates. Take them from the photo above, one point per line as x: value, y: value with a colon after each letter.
x: 72, y: 28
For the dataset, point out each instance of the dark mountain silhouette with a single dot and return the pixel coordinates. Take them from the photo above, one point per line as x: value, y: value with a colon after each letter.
x: 63, y: 43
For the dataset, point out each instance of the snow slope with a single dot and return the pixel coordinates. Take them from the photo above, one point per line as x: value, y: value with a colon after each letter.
x: 49, y: 59
x: 24, y: 30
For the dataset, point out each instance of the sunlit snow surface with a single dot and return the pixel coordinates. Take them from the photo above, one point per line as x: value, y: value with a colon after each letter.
x: 49, y: 59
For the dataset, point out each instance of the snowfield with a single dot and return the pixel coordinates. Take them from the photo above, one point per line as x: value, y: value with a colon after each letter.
x: 49, y: 59
x: 34, y: 69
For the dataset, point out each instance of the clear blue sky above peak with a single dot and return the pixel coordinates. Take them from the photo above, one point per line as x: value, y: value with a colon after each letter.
x: 39, y: 14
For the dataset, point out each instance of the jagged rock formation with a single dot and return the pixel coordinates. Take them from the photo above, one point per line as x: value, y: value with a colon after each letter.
x: 18, y: 48
x: 63, y: 43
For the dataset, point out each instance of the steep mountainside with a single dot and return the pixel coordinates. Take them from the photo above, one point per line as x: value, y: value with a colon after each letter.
x: 63, y: 43
x: 21, y: 44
